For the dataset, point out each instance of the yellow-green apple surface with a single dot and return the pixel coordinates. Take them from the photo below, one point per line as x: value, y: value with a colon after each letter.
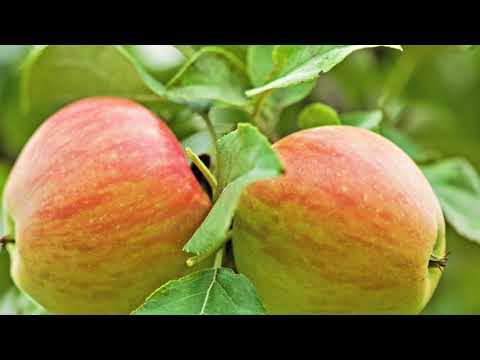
x: 353, y: 227
x: 100, y: 203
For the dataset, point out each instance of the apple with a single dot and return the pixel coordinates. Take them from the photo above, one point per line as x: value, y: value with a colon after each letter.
x: 100, y: 203
x: 353, y: 227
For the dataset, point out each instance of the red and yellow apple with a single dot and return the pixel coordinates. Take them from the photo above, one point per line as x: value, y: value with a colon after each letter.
x: 101, y: 202
x: 353, y: 227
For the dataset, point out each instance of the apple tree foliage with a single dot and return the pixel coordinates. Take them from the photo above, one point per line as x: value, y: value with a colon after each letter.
x: 227, y: 104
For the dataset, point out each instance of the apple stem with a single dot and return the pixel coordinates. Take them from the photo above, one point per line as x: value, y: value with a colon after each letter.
x: 212, y: 181
x: 438, y: 262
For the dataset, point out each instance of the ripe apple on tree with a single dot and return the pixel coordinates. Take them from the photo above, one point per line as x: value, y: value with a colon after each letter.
x: 353, y: 227
x: 100, y: 203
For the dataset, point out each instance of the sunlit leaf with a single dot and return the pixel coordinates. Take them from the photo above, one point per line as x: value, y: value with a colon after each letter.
x: 318, y: 114
x: 302, y: 63
x: 207, y: 292
x: 457, y: 185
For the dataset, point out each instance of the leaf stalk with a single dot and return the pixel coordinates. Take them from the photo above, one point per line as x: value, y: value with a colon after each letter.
x: 212, y: 181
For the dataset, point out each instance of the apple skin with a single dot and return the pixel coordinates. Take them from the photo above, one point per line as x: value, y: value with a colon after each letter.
x: 102, y: 200
x: 349, y: 228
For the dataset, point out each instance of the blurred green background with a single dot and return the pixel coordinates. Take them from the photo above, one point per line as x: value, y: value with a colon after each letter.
x: 430, y: 93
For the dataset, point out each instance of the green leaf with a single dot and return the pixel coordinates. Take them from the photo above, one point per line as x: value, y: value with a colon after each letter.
x: 225, y: 118
x: 4, y: 170
x: 246, y: 154
x: 318, y: 114
x: 211, y: 74
x: 356, y: 83
x: 186, y: 123
x: 13, y: 132
x: 370, y: 120
x: 189, y: 50
x: 299, y: 63
x: 207, y: 292
x: 260, y: 65
x: 56, y: 75
x: 262, y: 69
x: 244, y: 157
x: 288, y: 120
x: 239, y: 50
x: 9, y: 55
x: 192, y: 130
x: 201, y: 143
x: 186, y: 50
x: 283, y: 98
x: 457, y: 186
x: 417, y: 152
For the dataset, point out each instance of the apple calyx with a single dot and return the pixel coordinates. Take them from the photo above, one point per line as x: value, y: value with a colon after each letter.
x: 438, y: 262
x: 4, y: 240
